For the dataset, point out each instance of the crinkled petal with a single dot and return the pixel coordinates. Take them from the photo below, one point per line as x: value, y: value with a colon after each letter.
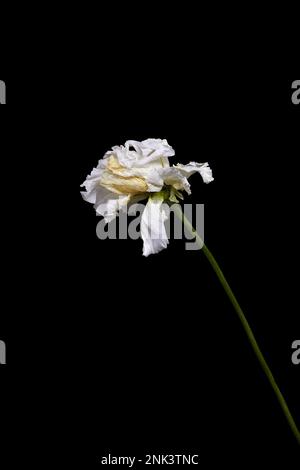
x: 193, y: 167
x: 91, y: 184
x: 108, y: 204
x: 126, y: 157
x: 173, y: 177
x: 154, y: 179
x: 145, y: 152
x: 160, y: 146
x: 153, y: 229
x: 89, y: 196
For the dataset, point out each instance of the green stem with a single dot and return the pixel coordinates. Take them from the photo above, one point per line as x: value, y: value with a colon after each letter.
x: 245, y: 324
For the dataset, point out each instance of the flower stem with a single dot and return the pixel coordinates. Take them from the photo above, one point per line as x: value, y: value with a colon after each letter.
x: 245, y: 324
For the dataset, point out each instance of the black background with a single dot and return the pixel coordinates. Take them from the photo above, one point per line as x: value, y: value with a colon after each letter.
x: 146, y: 355
x: 171, y: 367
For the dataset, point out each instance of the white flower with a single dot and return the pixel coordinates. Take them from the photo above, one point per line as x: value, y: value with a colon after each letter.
x: 133, y: 172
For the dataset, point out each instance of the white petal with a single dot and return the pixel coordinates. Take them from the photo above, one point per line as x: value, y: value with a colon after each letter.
x: 173, y: 177
x: 160, y: 146
x: 125, y: 156
x: 135, y: 144
x: 154, y: 179
x: 89, y: 196
x: 91, y: 184
x: 147, y: 151
x: 141, y: 155
x: 153, y: 229
x: 193, y: 167
x: 108, y: 204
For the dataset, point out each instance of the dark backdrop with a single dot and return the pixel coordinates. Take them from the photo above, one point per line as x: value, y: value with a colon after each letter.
x: 166, y: 364
x: 147, y: 354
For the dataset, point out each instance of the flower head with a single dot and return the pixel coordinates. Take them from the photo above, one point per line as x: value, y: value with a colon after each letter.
x: 137, y: 171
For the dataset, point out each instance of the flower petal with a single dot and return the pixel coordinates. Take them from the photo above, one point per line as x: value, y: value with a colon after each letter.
x: 193, y: 167
x: 173, y: 177
x: 91, y: 183
x: 108, y: 204
x: 145, y: 152
x: 153, y: 229
x: 160, y: 146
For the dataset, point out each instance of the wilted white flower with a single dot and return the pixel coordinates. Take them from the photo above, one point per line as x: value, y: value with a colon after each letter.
x: 136, y: 171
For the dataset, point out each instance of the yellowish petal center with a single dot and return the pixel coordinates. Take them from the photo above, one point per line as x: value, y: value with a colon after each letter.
x: 121, y: 180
